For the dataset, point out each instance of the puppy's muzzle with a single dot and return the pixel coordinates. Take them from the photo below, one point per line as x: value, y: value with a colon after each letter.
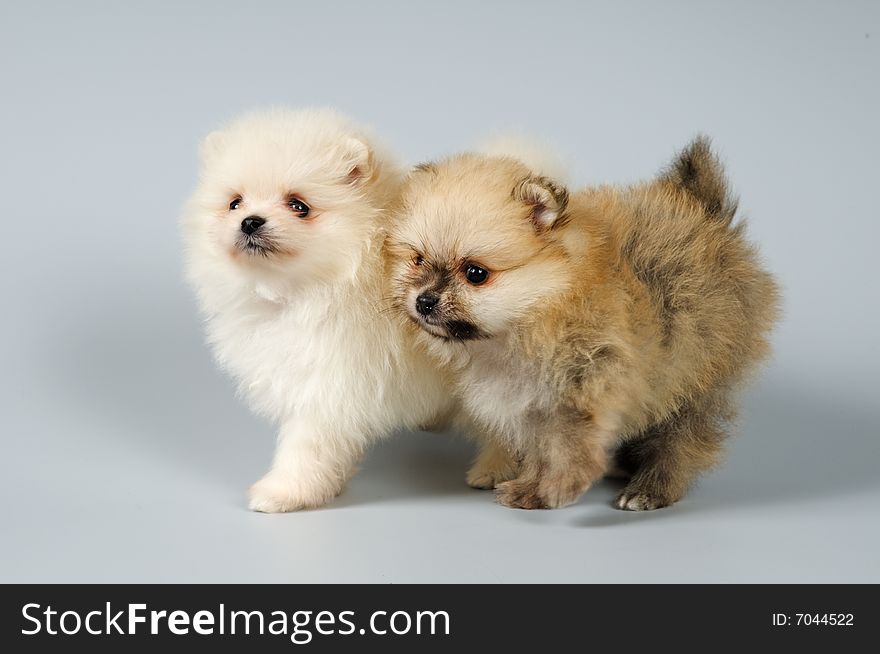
x: 252, y: 224
x: 426, y: 302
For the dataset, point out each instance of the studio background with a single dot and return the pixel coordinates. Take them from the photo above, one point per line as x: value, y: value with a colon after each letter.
x: 125, y: 456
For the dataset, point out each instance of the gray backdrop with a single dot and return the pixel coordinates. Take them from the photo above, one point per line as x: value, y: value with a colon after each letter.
x: 125, y: 455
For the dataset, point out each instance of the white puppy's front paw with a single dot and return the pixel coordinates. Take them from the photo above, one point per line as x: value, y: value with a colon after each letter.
x: 276, y: 493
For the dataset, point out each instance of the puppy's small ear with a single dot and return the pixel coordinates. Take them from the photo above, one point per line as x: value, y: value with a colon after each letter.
x: 211, y: 146
x: 357, y: 160
x: 546, y: 198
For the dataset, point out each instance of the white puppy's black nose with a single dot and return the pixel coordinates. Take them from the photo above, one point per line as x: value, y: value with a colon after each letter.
x: 426, y: 302
x: 251, y: 224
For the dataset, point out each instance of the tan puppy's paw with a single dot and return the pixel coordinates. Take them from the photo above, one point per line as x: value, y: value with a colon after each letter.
x: 487, y: 479
x: 277, y: 493
x: 493, y: 466
x: 545, y: 493
x: 519, y: 494
x: 641, y: 500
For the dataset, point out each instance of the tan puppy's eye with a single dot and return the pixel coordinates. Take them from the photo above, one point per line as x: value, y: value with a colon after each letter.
x: 297, y: 206
x: 235, y: 204
x: 418, y: 260
x: 475, y: 274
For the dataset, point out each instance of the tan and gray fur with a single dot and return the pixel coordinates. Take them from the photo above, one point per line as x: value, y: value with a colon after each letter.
x: 612, y: 329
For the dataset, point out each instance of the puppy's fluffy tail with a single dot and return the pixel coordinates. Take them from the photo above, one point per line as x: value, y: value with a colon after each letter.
x: 537, y: 156
x: 698, y: 172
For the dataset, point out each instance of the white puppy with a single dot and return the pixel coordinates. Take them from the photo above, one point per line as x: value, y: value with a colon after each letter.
x: 284, y: 247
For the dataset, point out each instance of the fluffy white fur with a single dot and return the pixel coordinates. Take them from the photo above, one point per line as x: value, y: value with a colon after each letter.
x: 305, y: 328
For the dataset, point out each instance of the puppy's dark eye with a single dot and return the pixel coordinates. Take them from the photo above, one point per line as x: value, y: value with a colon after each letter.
x: 297, y: 206
x: 475, y: 274
x: 418, y: 260
x: 235, y: 204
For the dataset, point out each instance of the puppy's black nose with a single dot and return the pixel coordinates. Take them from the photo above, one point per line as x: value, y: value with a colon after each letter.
x: 251, y: 224
x: 426, y: 302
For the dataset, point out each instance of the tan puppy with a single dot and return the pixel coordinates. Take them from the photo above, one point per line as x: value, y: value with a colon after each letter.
x: 615, y: 321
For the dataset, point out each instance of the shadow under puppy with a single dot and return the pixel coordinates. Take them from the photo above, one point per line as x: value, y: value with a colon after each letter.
x: 614, y: 323
x: 284, y: 247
